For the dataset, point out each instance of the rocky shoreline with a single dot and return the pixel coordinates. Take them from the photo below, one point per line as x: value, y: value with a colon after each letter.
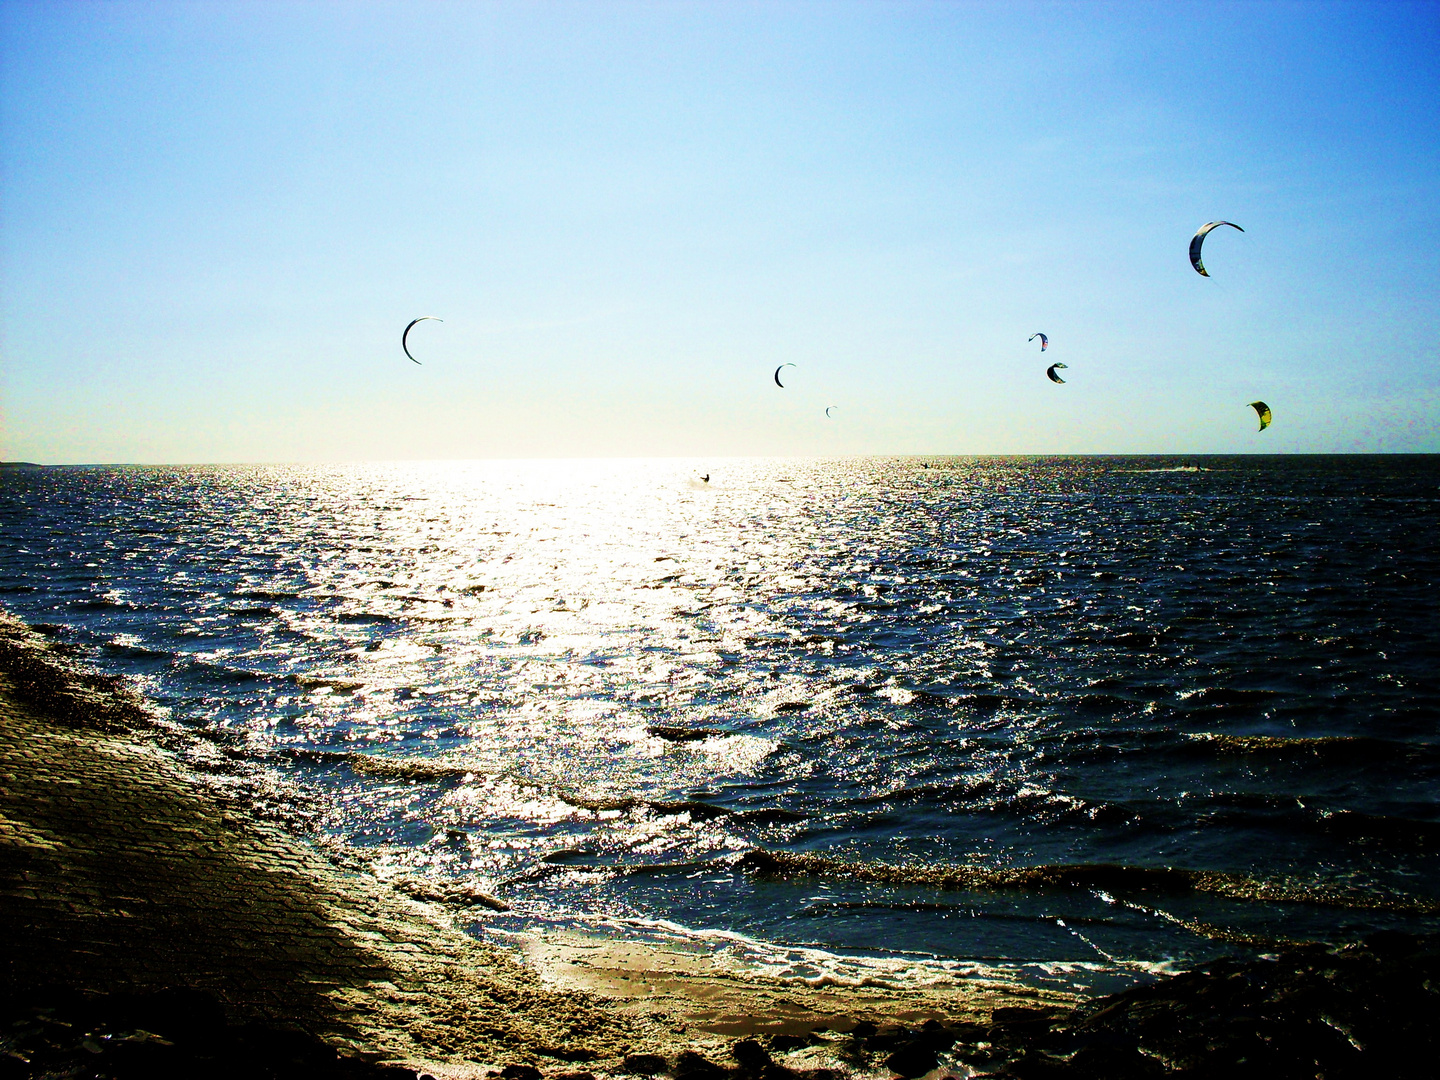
x: 151, y: 927
x: 1366, y: 1010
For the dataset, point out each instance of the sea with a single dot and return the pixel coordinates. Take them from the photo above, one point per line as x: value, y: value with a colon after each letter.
x: 1073, y: 720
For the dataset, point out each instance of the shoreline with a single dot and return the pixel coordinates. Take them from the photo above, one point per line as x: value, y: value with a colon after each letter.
x: 123, y: 873
x: 135, y: 897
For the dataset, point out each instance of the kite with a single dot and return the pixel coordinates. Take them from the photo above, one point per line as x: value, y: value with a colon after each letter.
x: 404, y: 338
x: 1044, y: 341
x: 1263, y: 411
x: 1199, y: 239
x: 828, y: 410
x: 1050, y: 372
x: 777, y: 375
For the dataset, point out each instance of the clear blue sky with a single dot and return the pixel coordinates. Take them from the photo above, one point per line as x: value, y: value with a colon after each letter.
x: 216, y: 219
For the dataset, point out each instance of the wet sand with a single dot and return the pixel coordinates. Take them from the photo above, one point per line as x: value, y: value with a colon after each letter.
x: 705, y: 992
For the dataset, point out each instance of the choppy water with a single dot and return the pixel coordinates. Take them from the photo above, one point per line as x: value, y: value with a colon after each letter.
x: 610, y: 692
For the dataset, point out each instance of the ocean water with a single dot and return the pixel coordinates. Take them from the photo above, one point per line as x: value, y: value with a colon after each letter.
x: 1075, y: 719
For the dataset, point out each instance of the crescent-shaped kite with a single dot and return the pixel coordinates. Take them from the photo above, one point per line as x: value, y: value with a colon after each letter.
x: 778, y: 383
x: 404, y: 338
x: 1044, y: 341
x: 1050, y: 372
x: 1199, y: 238
x: 1263, y: 412
x: 828, y: 410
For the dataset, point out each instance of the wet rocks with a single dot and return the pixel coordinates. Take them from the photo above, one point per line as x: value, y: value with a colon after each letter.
x: 1356, y: 1011
x: 751, y: 1056
x: 692, y: 1066
x: 1345, y: 1013
x: 912, y: 1058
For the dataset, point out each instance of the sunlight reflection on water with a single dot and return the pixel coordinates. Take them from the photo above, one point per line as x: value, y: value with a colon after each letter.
x: 593, y: 683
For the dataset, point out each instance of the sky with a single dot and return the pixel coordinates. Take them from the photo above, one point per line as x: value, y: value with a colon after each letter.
x: 216, y: 219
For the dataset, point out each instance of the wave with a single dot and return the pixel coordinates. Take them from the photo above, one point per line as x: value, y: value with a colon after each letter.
x: 415, y: 768
x: 1136, y: 640
x: 1339, y: 748
x: 392, y: 768
x: 983, y: 702
x: 251, y: 613
x: 748, y: 959
x: 120, y: 646
x: 1088, y: 877
x: 1392, y: 829
x: 1106, y: 703
x: 311, y: 682
x: 569, y: 862
x: 1226, y: 697
x: 1203, y: 929
x: 683, y: 734
x: 822, y: 907
x: 265, y: 594
x: 1276, y: 813
x: 698, y: 811
x: 989, y: 796
x: 100, y: 603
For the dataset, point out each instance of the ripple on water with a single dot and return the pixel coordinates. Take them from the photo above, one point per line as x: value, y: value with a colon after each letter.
x: 1053, y: 680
